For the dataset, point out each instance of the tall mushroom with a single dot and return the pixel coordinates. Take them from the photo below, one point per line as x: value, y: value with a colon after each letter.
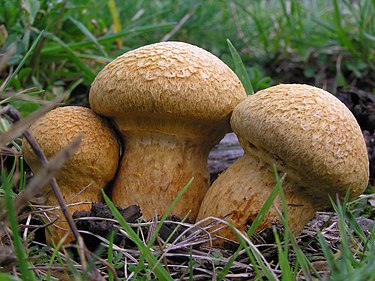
x: 172, y: 102
x: 311, y: 136
x: 87, y: 172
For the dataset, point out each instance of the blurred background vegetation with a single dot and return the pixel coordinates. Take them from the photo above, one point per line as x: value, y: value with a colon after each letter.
x: 327, y: 43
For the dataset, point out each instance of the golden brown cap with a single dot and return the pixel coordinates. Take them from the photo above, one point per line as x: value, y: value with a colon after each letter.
x: 167, y: 80
x: 98, y: 154
x: 309, y: 133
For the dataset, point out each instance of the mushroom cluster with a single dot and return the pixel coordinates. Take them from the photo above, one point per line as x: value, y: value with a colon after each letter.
x: 310, y: 136
x: 172, y: 102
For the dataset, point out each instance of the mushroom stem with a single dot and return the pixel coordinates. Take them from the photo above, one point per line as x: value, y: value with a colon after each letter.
x: 245, y: 203
x: 76, y: 200
x: 159, y: 162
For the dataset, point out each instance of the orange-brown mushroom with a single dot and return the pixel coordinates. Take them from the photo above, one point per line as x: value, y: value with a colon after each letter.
x: 311, y: 136
x: 89, y: 170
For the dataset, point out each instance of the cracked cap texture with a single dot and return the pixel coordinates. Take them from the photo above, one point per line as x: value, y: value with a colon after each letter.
x: 311, y: 134
x: 167, y: 80
x: 96, y: 159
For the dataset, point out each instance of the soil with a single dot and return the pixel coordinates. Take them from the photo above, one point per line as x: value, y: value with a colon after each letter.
x: 362, y: 105
x: 322, y: 70
x: 100, y: 222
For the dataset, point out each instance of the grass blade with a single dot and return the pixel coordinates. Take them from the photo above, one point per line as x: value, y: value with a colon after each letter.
x: 74, y: 58
x: 256, y: 223
x: 303, y: 260
x: 159, y: 270
x: 283, y: 257
x: 52, y: 50
x: 283, y: 253
x: 191, y: 268
x: 17, y: 240
x: 255, y: 257
x: 89, y: 35
x: 8, y: 277
x: 259, y: 24
x: 116, y: 24
x: 162, y: 220
x: 330, y: 258
x: 240, y: 69
x: 110, y: 255
x: 266, y: 206
x: 55, y: 255
x: 340, y: 30
x: 10, y: 80
x: 168, y: 211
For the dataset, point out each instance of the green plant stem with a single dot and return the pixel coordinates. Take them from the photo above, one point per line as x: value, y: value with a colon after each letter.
x: 24, y: 265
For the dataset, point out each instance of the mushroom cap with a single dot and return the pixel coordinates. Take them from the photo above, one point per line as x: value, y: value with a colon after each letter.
x: 309, y: 134
x: 95, y: 161
x: 168, y: 80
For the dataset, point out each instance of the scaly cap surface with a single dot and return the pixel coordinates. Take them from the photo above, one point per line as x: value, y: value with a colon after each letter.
x: 167, y: 80
x: 309, y: 133
x: 97, y: 156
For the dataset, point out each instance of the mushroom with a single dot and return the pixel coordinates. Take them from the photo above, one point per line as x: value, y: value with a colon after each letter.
x: 310, y: 136
x: 89, y: 170
x: 171, y: 102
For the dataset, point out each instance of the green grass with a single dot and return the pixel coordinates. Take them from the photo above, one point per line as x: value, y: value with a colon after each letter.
x: 19, y: 249
x: 155, y: 265
x: 346, y: 266
x: 257, y: 221
x: 240, y: 69
x: 81, y: 36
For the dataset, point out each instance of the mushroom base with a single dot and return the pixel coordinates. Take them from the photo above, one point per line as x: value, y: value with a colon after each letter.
x: 240, y: 192
x: 76, y: 200
x: 155, y: 168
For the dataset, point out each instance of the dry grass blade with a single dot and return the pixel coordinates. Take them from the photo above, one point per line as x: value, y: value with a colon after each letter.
x: 45, y: 175
x: 179, y: 25
x: 22, y: 96
x: 21, y: 126
x: 5, y: 58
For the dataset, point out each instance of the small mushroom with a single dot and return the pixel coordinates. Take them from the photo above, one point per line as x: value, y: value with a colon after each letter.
x: 89, y: 170
x: 309, y: 135
x: 172, y: 102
